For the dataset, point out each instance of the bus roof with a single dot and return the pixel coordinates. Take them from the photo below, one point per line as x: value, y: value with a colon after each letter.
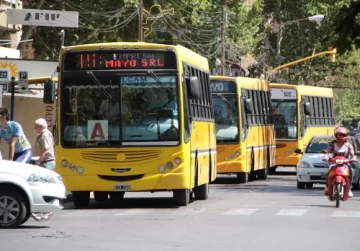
x: 183, y: 53
x: 245, y: 82
x: 306, y: 90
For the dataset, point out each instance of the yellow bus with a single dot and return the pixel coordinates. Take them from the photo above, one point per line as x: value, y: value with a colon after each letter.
x: 300, y: 112
x: 134, y: 117
x: 244, y: 127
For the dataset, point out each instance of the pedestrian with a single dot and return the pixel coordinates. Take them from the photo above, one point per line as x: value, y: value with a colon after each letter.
x: 13, y: 134
x: 44, y: 145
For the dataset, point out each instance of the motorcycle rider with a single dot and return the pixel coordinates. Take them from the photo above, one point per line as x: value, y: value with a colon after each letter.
x: 341, y: 147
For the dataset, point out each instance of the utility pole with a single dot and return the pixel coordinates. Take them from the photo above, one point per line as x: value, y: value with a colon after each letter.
x: 223, y: 23
x: 141, y: 21
x: 279, y: 30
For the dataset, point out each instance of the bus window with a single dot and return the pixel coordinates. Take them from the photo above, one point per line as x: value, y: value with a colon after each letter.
x: 285, y: 119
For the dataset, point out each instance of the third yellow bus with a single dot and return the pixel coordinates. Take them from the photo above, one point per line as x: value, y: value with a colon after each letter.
x: 300, y: 112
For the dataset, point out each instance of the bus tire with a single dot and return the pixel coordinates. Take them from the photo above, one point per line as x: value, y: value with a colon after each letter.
x: 242, y: 177
x: 272, y: 170
x: 252, y: 174
x: 263, y: 173
x: 116, y: 197
x: 181, y: 197
x: 81, y: 199
x: 101, y: 196
x: 202, y: 192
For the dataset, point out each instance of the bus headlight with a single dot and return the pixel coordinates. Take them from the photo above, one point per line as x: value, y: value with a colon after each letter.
x: 237, y: 154
x: 161, y: 168
x: 64, y: 163
x: 177, y: 161
x: 169, y: 165
x: 226, y: 158
x: 72, y: 167
x: 80, y: 170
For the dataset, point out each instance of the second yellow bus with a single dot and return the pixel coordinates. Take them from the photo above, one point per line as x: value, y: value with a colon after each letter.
x: 244, y: 127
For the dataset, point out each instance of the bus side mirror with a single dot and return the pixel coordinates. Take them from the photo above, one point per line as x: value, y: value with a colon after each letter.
x: 194, y: 86
x: 248, y: 106
x: 49, y: 92
x: 298, y: 151
x: 307, y: 108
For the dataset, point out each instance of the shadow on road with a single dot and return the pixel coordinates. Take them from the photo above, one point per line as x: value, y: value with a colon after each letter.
x: 32, y: 227
x: 130, y: 203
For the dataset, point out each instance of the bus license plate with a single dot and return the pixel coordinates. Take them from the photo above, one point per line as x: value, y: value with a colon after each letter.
x: 122, y: 187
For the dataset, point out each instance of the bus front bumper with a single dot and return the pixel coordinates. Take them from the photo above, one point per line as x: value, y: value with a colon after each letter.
x: 231, y: 167
x: 147, y: 182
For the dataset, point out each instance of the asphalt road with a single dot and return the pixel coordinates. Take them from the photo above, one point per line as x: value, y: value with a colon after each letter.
x: 257, y: 216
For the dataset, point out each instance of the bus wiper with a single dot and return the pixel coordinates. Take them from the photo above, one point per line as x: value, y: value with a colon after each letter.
x: 154, y: 76
x: 96, y: 81
x: 226, y: 101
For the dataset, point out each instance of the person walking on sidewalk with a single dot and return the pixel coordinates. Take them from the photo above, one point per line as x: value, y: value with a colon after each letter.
x: 44, y: 145
x: 13, y: 134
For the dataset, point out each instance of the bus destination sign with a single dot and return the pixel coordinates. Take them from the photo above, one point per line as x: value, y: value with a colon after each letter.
x: 121, y: 60
x: 223, y: 86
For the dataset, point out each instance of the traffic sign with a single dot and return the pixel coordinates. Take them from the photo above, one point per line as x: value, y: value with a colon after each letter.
x: 4, y: 80
x: 35, y: 17
x: 23, y: 81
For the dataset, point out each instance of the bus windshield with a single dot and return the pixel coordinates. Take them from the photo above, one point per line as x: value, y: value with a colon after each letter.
x: 285, y: 119
x: 109, y: 109
x: 226, y: 118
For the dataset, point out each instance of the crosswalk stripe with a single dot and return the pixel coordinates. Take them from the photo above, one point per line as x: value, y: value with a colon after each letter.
x: 243, y: 211
x: 292, y: 212
x: 188, y: 211
x: 134, y: 212
x: 348, y: 214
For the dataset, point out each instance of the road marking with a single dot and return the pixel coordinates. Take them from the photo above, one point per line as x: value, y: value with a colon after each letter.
x: 188, y: 211
x: 292, y: 212
x: 244, y: 211
x: 134, y: 212
x: 348, y: 214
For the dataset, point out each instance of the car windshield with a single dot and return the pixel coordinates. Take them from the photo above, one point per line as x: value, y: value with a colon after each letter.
x: 226, y: 118
x: 317, y: 145
x: 111, y: 110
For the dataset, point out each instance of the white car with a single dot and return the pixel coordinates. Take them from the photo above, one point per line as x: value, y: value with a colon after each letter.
x: 312, y: 170
x: 28, y: 190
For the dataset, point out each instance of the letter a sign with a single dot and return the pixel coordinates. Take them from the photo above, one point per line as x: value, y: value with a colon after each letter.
x: 98, y: 130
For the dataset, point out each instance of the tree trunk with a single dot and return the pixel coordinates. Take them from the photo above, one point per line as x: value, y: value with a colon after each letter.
x: 27, y: 30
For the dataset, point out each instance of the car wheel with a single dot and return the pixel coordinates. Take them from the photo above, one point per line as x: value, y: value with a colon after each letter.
x: 300, y: 185
x: 12, y: 209
x: 309, y: 185
x: 356, y: 185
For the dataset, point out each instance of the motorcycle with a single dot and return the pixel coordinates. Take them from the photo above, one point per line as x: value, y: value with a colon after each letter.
x: 339, y: 179
x: 40, y: 217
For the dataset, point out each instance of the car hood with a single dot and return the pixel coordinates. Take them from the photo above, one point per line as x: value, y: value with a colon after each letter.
x: 313, y: 157
x: 23, y: 170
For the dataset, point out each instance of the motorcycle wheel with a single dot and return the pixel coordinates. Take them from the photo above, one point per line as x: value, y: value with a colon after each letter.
x: 337, y: 194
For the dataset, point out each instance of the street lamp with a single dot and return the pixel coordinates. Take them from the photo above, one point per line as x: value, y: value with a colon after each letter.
x: 316, y: 18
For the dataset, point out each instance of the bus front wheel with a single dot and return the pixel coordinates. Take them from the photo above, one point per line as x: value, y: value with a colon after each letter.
x: 202, y: 192
x: 181, y: 196
x: 81, y: 199
x: 242, y: 177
